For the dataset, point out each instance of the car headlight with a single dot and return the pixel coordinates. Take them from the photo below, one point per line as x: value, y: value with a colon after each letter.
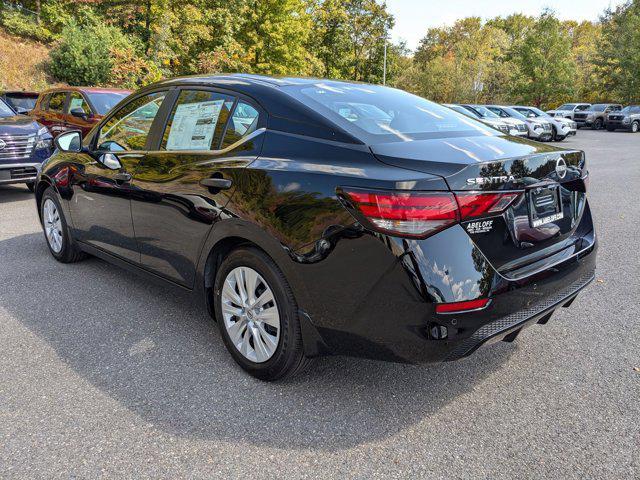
x: 43, y: 143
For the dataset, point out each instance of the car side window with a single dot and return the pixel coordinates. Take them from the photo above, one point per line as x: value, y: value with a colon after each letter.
x: 77, y: 102
x: 57, y: 101
x: 129, y: 127
x: 243, y: 121
x: 197, y: 121
x: 44, y: 103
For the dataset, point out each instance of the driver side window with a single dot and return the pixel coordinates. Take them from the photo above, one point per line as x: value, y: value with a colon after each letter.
x: 129, y: 128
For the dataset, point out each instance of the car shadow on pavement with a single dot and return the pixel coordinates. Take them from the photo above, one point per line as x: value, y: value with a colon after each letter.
x: 156, y: 352
x: 14, y: 193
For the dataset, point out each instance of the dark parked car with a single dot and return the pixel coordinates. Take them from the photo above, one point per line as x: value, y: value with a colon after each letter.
x: 626, y: 119
x: 24, y: 145
x: 320, y: 217
x: 596, y: 116
x: 20, y: 101
x: 75, y: 108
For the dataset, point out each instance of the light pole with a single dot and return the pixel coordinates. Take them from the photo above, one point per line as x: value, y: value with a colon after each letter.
x: 384, y: 64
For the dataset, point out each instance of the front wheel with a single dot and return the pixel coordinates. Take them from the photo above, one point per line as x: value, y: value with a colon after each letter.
x: 56, y: 231
x: 610, y: 129
x: 597, y: 125
x: 635, y: 126
x: 258, y: 316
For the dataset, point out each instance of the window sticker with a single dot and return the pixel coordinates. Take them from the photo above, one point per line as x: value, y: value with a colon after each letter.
x: 193, y: 125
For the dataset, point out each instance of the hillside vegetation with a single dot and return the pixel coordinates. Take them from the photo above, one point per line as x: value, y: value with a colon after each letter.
x: 22, y: 63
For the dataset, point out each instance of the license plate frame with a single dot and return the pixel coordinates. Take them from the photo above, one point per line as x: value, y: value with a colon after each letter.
x: 545, y: 205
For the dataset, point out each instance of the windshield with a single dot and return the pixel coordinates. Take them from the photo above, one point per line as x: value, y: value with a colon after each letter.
x: 105, y: 101
x: 21, y: 101
x: 631, y: 109
x: 567, y: 106
x: 514, y: 113
x: 539, y: 112
x: 599, y: 107
x: 484, y: 111
x: 379, y: 114
x: 5, y: 110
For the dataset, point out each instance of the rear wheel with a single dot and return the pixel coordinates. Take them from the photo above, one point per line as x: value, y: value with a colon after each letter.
x: 56, y: 230
x: 258, y: 316
x: 635, y: 126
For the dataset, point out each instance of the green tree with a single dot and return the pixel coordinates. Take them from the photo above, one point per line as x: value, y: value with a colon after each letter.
x: 619, y: 53
x: 546, y: 70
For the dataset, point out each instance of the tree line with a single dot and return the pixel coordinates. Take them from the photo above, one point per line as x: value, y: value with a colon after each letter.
x: 525, y: 59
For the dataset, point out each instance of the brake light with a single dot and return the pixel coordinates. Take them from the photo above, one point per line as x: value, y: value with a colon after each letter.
x: 459, y: 307
x: 413, y: 214
x: 480, y: 204
x: 420, y: 214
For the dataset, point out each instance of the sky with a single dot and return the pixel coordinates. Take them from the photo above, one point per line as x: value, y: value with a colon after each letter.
x: 414, y: 17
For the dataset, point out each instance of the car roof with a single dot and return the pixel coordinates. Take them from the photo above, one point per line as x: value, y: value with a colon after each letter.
x: 87, y: 90
x: 18, y: 92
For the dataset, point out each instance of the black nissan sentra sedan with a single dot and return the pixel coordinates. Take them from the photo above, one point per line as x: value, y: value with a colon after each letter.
x: 320, y: 217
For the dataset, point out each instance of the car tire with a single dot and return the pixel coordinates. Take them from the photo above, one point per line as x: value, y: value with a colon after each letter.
x: 635, y: 127
x: 271, y: 349
x: 610, y: 129
x: 31, y: 186
x: 56, y: 230
x: 597, y: 125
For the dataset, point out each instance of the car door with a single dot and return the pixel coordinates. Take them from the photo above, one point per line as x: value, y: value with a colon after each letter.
x: 102, y: 189
x: 55, y: 113
x: 78, y: 113
x: 183, y: 185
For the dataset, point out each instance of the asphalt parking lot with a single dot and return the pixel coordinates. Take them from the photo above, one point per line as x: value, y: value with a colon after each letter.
x: 103, y: 375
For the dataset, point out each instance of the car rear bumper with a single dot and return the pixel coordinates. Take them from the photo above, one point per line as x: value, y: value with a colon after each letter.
x: 379, y: 295
x: 18, y: 173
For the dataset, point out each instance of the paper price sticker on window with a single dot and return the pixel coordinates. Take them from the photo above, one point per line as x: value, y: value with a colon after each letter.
x: 193, y: 125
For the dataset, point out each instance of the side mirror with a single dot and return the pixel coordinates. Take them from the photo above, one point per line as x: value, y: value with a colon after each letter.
x: 79, y: 113
x: 69, y: 141
x: 110, y: 161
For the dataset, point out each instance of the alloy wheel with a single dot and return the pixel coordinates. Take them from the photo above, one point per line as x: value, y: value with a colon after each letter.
x: 52, y: 225
x: 250, y: 313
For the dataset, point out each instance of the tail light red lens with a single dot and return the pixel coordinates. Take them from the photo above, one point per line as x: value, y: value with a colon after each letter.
x: 420, y: 214
x: 459, y: 307
x: 480, y: 204
x: 413, y: 214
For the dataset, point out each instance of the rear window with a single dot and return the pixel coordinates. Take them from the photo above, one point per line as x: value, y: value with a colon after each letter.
x: 5, y: 111
x: 378, y: 114
x: 105, y: 101
x: 21, y: 101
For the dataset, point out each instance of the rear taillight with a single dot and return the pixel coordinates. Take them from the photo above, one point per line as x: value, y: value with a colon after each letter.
x: 420, y: 214
x: 480, y: 204
x: 409, y: 214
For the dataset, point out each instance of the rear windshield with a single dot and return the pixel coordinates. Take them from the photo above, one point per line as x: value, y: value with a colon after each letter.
x: 631, y: 109
x: 105, y: 101
x: 5, y: 110
x: 378, y: 114
x: 21, y: 101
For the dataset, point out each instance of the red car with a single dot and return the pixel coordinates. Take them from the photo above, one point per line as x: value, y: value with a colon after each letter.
x: 75, y: 108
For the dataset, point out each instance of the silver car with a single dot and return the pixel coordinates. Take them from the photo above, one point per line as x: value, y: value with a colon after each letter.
x: 517, y: 128
x: 536, y: 129
x: 492, y: 122
x: 561, y: 128
x: 568, y: 110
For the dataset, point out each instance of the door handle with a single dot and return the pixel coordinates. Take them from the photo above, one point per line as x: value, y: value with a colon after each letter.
x: 219, y: 183
x: 122, y: 177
